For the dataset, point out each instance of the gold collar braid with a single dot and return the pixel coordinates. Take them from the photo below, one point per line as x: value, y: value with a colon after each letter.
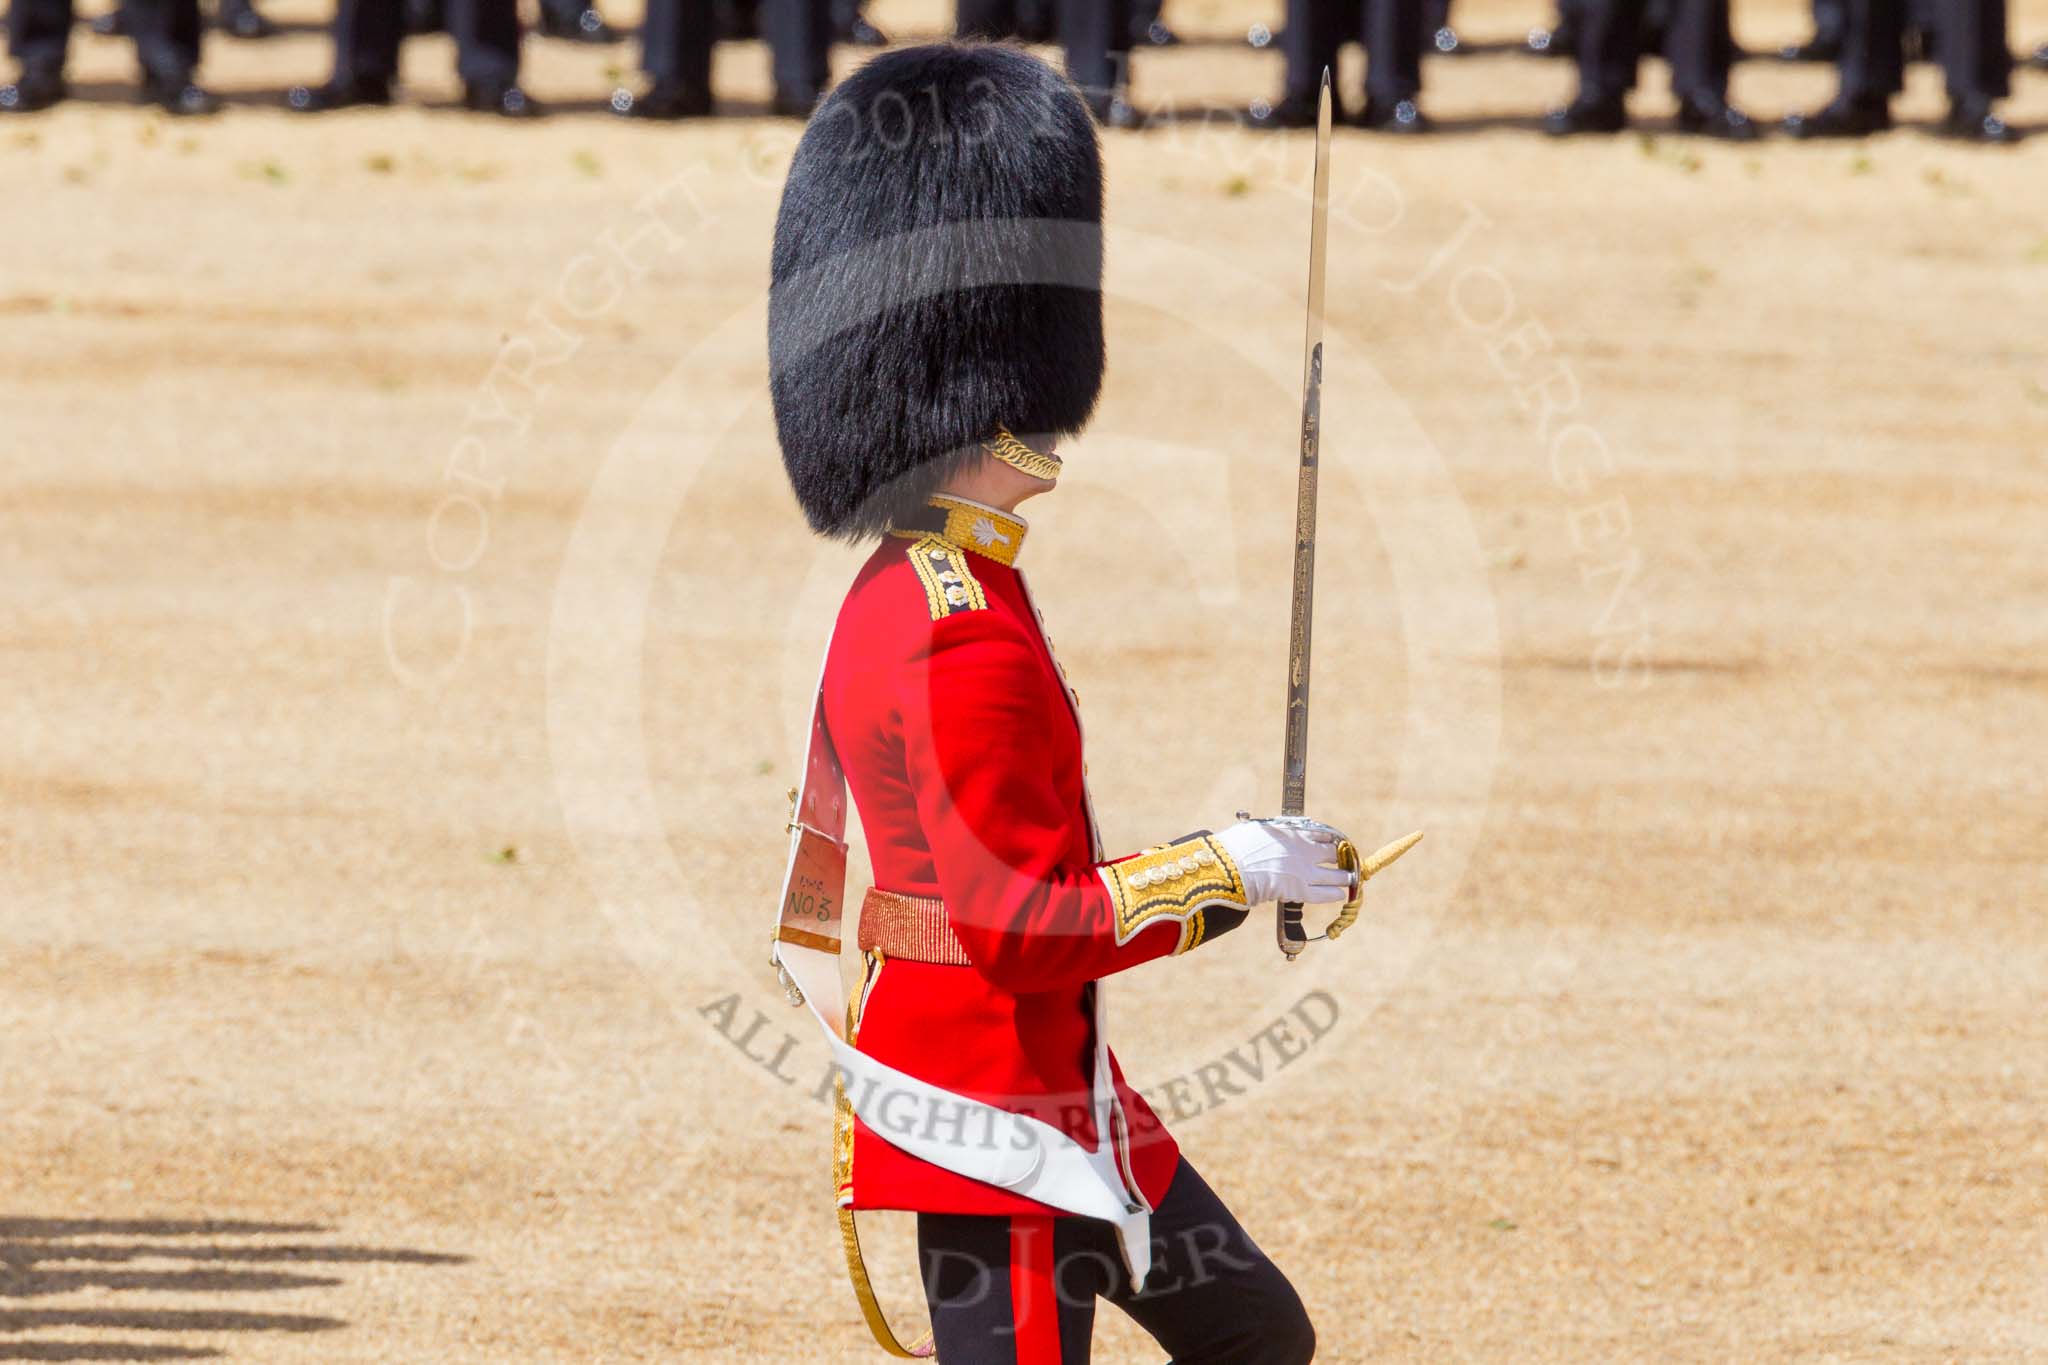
x: 1021, y: 457
x: 970, y: 526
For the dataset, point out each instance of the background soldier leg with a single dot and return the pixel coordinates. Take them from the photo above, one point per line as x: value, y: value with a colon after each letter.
x: 1561, y: 39
x: 167, y: 46
x: 486, y: 34
x: 577, y: 21
x: 1700, y: 46
x: 849, y: 25
x: 1610, y: 45
x: 1394, y: 32
x: 1308, y: 42
x: 1873, y: 69
x: 799, y: 34
x: 166, y: 37
x: 675, y: 51
x: 1097, y: 38
x: 989, y: 20
x: 1974, y: 53
x: 1830, y: 19
x: 39, y: 37
x: 366, y: 37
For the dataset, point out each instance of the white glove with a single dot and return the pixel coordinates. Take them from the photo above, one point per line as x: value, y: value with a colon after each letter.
x: 1291, y: 859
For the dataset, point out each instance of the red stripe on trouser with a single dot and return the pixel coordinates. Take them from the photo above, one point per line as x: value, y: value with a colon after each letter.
x: 1034, y: 1306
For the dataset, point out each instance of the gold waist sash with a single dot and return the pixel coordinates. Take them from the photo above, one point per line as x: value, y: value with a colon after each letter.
x: 913, y: 928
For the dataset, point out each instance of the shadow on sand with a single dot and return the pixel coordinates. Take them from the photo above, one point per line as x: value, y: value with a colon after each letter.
x: 44, y: 1258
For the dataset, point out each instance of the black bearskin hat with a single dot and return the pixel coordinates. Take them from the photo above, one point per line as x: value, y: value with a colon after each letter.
x: 937, y: 274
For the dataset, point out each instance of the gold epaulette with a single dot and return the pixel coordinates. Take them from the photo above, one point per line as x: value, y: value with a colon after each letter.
x: 1174, y: 881
x: 949, y: 585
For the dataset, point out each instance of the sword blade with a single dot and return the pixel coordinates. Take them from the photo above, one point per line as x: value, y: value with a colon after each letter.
x: 1294, y: 762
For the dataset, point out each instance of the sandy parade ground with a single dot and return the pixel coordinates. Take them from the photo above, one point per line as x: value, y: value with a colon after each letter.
x: 408, y: 636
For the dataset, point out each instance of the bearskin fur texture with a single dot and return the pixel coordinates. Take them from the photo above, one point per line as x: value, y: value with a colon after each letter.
x: 937, y: 273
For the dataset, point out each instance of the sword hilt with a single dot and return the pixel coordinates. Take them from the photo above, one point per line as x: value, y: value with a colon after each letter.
x: 1287, y: 930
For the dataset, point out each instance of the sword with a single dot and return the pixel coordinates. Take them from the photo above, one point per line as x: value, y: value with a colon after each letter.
x: 1294, y: 762
x: 1294, y: 765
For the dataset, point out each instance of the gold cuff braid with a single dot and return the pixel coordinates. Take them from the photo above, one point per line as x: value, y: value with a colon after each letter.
x: 1176, y: 881
x: 1021, y: 457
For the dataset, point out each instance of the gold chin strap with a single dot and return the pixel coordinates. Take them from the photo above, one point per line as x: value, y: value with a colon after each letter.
x: 1021, y: 457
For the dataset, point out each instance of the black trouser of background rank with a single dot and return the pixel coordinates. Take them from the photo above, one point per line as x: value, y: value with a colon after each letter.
x: 747, y: 13
x: 1969, y: 39
x: 1212, y: 1297
x: 486, y: 33
x: 1393, y: 32
x: 1830, y: 20
x: 676, y: 38
x: 1697, y: 43
x: 1095, y: 33
x: 166, y: 34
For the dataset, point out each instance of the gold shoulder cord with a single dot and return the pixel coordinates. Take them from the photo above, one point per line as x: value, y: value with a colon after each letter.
x: 842, y: 1175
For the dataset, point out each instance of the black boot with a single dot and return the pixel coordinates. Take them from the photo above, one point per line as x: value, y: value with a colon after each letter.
x: 1561, y: 41
x: 1113, y: 110
x: 1391, y: 116
x: 1295, y: 111
x: 38, y: 88
x: 578, y: 23
x: 241, y: 19
x: 858, y: 32
x: 349, y: 93
x: 1586, y: 114
x: 1971, y: 120
x: 503, y: 98
x: 1153, y: 33
x: 792, y: 103
x: 425, y: 16
x: 176, y: 94
x: 1848, y: 116
x: 1711, y: 117
x: 664, y: 101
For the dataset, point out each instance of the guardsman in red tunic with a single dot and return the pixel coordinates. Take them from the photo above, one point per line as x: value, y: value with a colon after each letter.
x: 935, y: 327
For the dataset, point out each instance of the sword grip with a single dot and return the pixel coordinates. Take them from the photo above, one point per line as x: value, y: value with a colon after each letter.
x: 1287, y: 930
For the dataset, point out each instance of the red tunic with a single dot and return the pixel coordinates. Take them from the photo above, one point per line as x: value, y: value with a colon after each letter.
x: 962, y: 748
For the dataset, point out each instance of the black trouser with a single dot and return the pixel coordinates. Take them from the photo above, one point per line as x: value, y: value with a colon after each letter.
x: 746, y: 13
x: 1830, y: 20
x: 166, y: 34
x: 676, y: 41
x: 1095, y: 33
x: 1697, y: 43
x: 486, y: 33
x: 1969, y: 39
x: 1022, y: 1291
x: 1393, y: 34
